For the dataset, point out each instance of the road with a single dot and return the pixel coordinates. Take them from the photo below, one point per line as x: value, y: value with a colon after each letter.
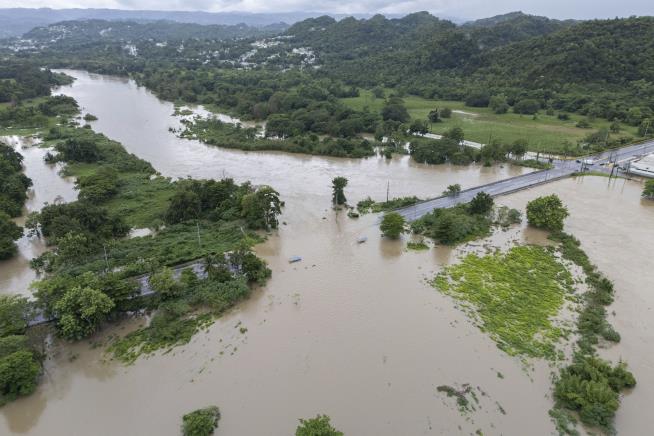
x: 561, y: 169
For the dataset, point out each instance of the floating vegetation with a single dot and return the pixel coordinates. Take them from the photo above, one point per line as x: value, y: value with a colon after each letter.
x: 514, y: 296
x: 464, y: 404
x: 417, y: 245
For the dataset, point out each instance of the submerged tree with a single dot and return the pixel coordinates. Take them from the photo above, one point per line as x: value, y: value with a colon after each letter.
x: 392, y: 225
x: 201, y: 422
x: 338, y: 194
x: 318, y: 426
x: 261, y: 208
x: 547, y: 213
x: 648, y: 191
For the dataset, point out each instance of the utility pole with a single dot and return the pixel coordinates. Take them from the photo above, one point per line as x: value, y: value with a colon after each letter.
x: 106, y: 261
x: 388, y: 188
x: 197, y: 223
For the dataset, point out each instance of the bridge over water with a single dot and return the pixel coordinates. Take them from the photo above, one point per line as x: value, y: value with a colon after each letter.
x: 561, y: 168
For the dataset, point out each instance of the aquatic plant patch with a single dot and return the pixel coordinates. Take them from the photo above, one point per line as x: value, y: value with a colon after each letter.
x: 514, y: 296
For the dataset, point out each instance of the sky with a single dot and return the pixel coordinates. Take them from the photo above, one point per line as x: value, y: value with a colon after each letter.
x: 578, y: 9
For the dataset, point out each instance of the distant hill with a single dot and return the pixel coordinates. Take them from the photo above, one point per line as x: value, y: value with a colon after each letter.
x: 17, y: 21
x: 90, y: 31
x: 515, y: 26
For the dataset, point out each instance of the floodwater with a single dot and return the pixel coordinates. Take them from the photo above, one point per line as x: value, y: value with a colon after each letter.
x: 352, y: 331
x: 48, y: 187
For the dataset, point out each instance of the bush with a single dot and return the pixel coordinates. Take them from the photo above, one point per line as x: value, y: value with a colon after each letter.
x: 591, y: 387
x: 318, y: 426
x: 547, y: 213
x: 481, y: 204
x: 526, y: 106
x: 201, y: 422
x: 392, y: 225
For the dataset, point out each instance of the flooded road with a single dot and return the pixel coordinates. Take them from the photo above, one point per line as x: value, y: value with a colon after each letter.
x: 352, y: 331
x: 48, y: 187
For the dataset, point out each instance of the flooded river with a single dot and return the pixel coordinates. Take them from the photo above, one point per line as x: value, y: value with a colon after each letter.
x: 352, y: 331
x: 48, y: 187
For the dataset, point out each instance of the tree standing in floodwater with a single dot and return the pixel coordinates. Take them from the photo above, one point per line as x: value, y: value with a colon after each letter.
x: 338, y: 194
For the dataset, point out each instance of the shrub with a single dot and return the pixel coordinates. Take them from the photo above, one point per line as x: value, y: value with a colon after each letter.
x: 481, y: 204
x: 201, y: 422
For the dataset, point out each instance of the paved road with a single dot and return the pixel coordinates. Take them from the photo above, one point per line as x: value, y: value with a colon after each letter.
x: 561, y: 169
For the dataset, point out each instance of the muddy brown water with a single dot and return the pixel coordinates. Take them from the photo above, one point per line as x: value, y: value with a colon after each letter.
x: 354, y: 330
x: 48, y: 187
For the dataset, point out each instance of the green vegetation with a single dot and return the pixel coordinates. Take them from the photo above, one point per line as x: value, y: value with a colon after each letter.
x: 92, y: 266
x: 514, y: 296
x: 19, y: 362
x: 465, y: 222
x: 461, y: 395
x: 547, y: 213
x: 280, y: 137
x: 452, y: 190
x: 417, y: 245
x: 392, y: 225
x: 201, y: 422
x: 338, y: 190
x: 648, y: 190
x: 318, y: 426
x: 589, y: 385
x: 368, y: 205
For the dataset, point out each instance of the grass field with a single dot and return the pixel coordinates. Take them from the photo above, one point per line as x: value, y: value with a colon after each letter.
x: 545, y: 133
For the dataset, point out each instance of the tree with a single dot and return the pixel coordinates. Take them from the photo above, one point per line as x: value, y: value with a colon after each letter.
x: 434, y: 117
x: 12, y: 315
x: 547, y: 213
x: 201, y: 422
x: 418, y: 126
x: 164, y: 283
x: 392, y: 225
x: 394, y: 110
x: 518, y: 148
x: 477, y: 99
x: 378, y: 92
x: 446, y: 112
x: 527, y: 106
x: 338, y: 194
x: 9, y: 232
x: 452, y: 190
x: 261, y: 208
x: 18, y: 375
x: 318, y: 426
x: 481, y: 204
x: 648, y: 190
x: 184, y: 206
x: 498, y: 104
x: 81, y: 311
x: 455, y: 134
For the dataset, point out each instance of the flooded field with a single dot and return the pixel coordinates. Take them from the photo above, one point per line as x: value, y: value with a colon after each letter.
x: 354, y: 330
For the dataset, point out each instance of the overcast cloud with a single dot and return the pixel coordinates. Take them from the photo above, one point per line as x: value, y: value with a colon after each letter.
x: 458, y: 8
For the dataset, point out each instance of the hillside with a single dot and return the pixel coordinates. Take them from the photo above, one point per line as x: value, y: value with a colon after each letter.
x: 89, y: 31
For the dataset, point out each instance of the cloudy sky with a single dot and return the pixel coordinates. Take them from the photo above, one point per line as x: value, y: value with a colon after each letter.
x: 457, y: 8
